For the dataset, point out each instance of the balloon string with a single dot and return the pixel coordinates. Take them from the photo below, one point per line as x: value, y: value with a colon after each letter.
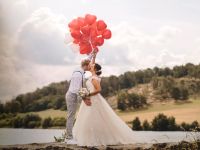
x: 91, y: 44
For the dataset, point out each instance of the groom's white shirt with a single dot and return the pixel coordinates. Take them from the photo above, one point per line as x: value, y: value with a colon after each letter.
x: 76, y: 81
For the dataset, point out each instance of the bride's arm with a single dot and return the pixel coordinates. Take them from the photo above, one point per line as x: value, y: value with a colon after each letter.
x: 97, y: 87
x: 93, y: 57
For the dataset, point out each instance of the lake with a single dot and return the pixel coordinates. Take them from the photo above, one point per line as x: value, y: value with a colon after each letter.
x: 25, y: 136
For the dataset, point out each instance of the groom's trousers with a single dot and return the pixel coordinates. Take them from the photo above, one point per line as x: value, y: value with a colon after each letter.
x: 72, y: 103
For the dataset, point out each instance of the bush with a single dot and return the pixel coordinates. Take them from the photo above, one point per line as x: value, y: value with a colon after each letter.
x: 60, y: 101
x: 17, y: 122
x: 31, y: 121
x: 194, y: 125
x: 59, y: 121
x: 121, y: 101
x: 47, y: 122
x: 131, y: 101
x: 162, y: 123
x: 136, y: 124
x: 185, y: 126
x: 146, y: 126
x: 172, y: 126
x: 175, y: 93
x: 5, y: 123
x: 184, y: 94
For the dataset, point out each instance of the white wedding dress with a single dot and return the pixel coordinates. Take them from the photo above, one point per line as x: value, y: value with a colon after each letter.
x: 98, y: 124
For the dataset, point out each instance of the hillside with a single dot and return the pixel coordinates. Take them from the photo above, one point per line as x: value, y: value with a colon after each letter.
x: 157, y: 84
x: 144, y: 93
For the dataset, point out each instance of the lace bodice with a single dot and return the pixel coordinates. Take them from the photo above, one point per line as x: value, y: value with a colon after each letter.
x: 89, y: 84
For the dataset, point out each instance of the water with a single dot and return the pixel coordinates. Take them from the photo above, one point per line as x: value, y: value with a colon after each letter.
x: 25, y: 136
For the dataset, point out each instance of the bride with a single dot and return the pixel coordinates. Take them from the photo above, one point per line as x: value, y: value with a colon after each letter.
x: 98, y: 124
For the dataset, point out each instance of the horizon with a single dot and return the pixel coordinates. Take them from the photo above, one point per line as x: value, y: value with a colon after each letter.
x: 145, y: 35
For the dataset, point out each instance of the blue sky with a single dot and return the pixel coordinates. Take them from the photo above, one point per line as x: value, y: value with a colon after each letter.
x: 146, y: 33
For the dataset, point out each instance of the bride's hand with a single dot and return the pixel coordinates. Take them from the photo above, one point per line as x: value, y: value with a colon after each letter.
x: 87, y: 102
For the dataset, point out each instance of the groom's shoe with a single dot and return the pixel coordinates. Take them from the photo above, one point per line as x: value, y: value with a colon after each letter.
x: 71, y: 141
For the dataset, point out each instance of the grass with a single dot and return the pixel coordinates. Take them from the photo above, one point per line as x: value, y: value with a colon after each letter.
x: 48, y: 113
x: 187, y: 112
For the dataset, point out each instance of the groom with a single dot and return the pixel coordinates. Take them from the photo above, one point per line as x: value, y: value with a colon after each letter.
x: 71, y: 96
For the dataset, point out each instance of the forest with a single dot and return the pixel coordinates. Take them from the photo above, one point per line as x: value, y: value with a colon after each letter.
x: 164, y: 80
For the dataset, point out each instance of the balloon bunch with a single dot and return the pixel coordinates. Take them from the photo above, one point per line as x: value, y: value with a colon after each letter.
x: 88, y: 33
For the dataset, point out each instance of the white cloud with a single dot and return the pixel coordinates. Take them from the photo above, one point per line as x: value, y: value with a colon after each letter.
x: 132, y: 47
x: 40, y: 38
x: 36, y: 55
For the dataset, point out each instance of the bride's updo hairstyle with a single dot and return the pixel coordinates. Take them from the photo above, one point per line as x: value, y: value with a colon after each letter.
x: 97, y: 68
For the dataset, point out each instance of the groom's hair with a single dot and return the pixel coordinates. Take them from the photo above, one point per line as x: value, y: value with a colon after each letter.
x: 85, y: 62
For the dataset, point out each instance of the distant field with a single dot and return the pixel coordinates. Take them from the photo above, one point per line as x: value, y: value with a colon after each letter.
x: 49, y: 113
x: 186, y: 112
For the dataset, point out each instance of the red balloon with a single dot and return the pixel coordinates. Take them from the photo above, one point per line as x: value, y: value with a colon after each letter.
x: 101, y: 25
x: 74, y: 24
x: 99, y: 41
x: 93, y: 33
x: 85, y: 48
x: 81, y: 21
x: 85, y: 38
x: 94, y: 26
x: 85, y: 30
x: 89, y: 33
x: 107, y: 34
x: 90, y: 19
x: 76, y: 34
x: 99, y: 33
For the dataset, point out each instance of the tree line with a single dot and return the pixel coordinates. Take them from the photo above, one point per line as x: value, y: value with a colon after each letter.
x: 53, y: 95
x: 160, y: 123
x: 163, y: 123
x: 30, y: 121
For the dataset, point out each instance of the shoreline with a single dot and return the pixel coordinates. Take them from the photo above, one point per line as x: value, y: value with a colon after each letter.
x: 138, y: 146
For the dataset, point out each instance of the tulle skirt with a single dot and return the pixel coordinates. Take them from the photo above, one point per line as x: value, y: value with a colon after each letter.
x: 99, y: 125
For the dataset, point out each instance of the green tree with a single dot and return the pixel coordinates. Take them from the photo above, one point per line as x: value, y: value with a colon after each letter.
x: 184, y: 94
x: 136, y: 124
x: 175, y: 93
x: 59, y: 102
x: 17, y: 122
x: 185, y: 126
x: 146, y: 126
x: 172, y: 124
x: 47, y: 122
x: 121, y: 101
x: 194, y: 125
x: 1, y: 107
x: 136, y: 101
x: 160, y: 123
x: 31, y: 121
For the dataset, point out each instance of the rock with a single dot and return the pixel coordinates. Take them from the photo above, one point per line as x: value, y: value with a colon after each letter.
x: 62, y: 146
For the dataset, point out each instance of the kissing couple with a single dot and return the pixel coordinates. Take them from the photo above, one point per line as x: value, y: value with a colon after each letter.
x: 96, y: 122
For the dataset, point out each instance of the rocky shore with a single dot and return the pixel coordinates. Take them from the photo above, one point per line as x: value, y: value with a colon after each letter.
x: 62, y: 146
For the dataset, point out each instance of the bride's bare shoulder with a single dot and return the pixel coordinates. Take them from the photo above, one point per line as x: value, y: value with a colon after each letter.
x: 95, y: 77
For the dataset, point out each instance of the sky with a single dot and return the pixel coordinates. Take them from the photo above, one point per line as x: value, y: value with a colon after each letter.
x: 145, y: 33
